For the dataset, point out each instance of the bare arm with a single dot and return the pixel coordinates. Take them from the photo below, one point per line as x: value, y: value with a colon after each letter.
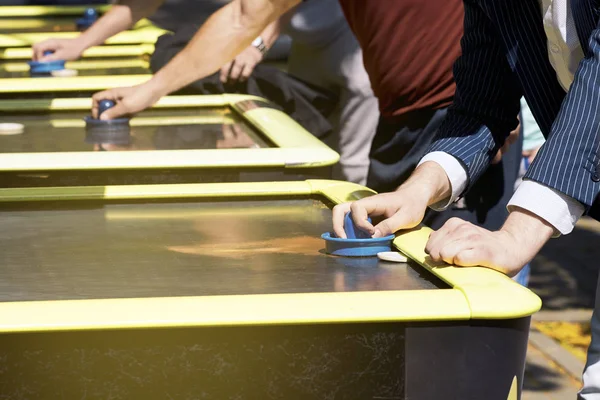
x: 229, y: 31
x: 224, y: 35
x: 241, y: 67
x: 120, y: 17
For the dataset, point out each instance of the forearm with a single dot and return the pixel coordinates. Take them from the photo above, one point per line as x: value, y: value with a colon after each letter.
x: 120, y: 17
x: 529, y: 231
x: 224, y: 35
x: 270, y: 34
x: 429, y: 183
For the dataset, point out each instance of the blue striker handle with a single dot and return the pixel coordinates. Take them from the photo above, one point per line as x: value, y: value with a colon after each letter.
x: 90, y: 13
x: 352, y: 231
x: 104, y: 105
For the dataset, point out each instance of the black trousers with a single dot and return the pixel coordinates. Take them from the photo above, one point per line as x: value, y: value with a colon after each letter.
x: 400, y: 143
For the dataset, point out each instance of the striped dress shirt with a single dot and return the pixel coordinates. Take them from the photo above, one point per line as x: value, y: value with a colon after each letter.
x: 519, y: 47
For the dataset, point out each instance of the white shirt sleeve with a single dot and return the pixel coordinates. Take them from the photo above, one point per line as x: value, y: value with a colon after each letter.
x: 457, y: 174
x: 556, y: 208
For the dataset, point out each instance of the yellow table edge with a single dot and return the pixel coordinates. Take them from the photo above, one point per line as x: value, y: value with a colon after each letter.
x: 69, y: 84
x: 147, y: 34
x: 45, y: 11
x: 16, y: 25
x: 499, y: 296
x: 296, y: 147
x: 25, y: 53
x: 82, y: 65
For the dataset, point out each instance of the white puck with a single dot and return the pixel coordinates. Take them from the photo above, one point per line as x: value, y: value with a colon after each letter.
x: 11, y: 128
x: 392, y: 256
x: 64, y: 73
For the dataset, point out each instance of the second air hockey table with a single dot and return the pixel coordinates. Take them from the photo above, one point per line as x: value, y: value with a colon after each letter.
x: 50, y: 19
x: 22, y: 27
x: 27, y: 25
x: 221, y: 138
x: 83, y: 68
x: 224, y: 291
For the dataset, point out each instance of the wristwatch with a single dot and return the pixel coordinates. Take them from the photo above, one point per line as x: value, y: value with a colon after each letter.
x: 260, y: 45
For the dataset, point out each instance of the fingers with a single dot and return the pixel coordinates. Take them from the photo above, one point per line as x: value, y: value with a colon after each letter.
x: 498, y: 157
x: 460, y: 243
x: 231, y: 72
x: 402, y: 219
x: 236, y: 71
x: 360, y: 216
x: 246, y: 72
x: 470, y: 257
x: 224, y: 73
x: 443, y: 236
x: 532, y: 154
x: 119, y: 110
x: 115, y: 95
x: 513, y: 137
x: 339, y: 212
x: 104, y: 95
x: 399, y: 211
x: 40, y: 48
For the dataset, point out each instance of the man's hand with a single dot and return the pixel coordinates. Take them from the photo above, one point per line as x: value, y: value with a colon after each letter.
x: 129, y: 100
x: 240, y: 68
x: 402, y: 209
x: 62, y: 49
x: 512, y: 138
x: 463, y: 244
x: 530, y: 154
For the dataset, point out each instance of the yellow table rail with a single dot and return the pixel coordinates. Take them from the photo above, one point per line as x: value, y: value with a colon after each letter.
x: 147, y: 35
x: 46, y: 11
x: 141, y: 50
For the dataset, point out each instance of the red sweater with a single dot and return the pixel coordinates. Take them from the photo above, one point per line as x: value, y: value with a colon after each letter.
x: 409, y: 47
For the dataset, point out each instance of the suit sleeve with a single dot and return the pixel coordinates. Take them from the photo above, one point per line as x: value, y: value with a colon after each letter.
x: 568, y: 161
x: 486, y: 102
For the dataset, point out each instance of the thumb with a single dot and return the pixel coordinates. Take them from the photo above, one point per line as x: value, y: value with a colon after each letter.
x: 52, y: 57
x: 400, y: 220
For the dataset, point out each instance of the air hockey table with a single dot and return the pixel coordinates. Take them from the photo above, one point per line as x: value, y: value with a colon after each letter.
x: 84, y: 68
x: 182, y: 139
x: 49, y: 19
x: 22, y: 27
x: 144, y: 35
x: 224, y: 291
x: 127, y: 51
x: 33, y: 88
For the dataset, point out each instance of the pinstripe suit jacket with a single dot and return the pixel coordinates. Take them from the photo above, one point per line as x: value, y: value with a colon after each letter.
x: 504, y: 57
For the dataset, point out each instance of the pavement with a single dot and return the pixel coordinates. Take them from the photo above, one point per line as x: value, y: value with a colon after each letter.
x: 564, y: 275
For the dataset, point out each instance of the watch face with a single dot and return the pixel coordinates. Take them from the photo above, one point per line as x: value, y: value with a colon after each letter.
x: 260, y: 45
x: 257, y: 42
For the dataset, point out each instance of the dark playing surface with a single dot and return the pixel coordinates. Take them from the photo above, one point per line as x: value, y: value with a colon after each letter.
x: 46, y: 24
x: 182, y: 249
x: 165, y: 130
x: 13, y: 73
x: 14, y: 26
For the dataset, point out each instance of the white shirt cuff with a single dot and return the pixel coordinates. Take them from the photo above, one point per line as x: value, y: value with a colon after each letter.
x: 556, y: 208
x: 457, y: 174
